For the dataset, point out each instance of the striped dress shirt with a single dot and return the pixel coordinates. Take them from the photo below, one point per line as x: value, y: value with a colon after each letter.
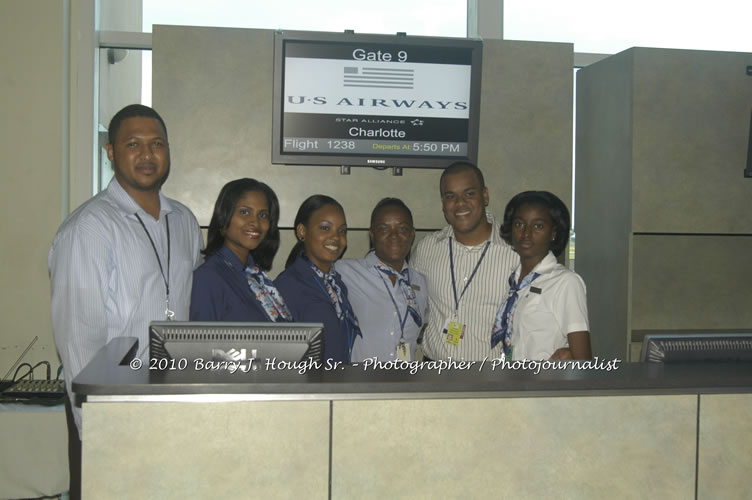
x: 106, y: 280
x: 482, y: 299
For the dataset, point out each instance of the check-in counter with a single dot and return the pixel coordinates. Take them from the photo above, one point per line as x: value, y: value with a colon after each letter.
x: 604, y: 430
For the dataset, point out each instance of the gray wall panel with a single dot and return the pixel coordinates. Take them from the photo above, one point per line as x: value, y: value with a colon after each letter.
x: 603, y: 199
x: 526, y: 119
x: 661, y: 146
x: 691, y: 113
x: 35, y: 177
x: 691, y: 282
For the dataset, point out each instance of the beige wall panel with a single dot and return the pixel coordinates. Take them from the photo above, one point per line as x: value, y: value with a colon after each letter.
x: 724, y: 460
x: 214, y: 88
x: 691, y: 282
x: 603, y: 199
x: 526, y: 120
x: 34, y: 451
x: 598, y: 447
x: 691, y: 112
x: 33, y: 101
x: 215, y: 450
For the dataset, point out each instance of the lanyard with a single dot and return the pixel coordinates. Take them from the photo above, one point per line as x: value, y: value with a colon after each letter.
x: 472, y: 275
x: 168, y: 313
x: 402, y: 321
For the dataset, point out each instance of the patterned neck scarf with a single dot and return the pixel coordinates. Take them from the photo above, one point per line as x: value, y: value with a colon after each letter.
x: 502, y: 329
x: 403, y: 278
x: 267, y: 294
x: 339, y: 301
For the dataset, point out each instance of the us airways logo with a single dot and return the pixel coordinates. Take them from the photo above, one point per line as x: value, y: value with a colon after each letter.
x: 365, y: 102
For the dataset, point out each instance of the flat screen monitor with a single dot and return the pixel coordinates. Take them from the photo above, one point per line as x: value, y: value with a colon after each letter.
x: 375, y: 100
x: 235, y: 342
x: 694, y: 347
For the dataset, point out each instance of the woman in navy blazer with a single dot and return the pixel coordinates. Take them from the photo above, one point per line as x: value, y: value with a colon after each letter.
x: 314, y: 290
x: 231, y: 284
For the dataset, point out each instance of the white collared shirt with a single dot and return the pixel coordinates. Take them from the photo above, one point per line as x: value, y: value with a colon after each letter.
x: 551, y: 307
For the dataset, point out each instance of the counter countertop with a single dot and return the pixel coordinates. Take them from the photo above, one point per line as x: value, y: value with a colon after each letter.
x: 109, y: 374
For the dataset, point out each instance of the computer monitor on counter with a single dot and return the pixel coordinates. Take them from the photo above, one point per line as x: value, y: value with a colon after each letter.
x: 235, y: 342
x: 697, y: 347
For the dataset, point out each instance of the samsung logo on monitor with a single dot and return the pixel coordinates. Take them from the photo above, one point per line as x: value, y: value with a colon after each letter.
x: 378, y: 162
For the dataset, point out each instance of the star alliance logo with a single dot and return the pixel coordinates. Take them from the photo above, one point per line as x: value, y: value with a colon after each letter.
x: 417, y: 122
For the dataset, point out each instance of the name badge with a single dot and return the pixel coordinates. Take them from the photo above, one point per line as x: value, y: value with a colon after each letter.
x: 454, y: 332
x: 403, y: 352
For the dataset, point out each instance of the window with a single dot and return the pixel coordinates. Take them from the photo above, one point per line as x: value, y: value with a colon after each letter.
x: 610, y: 27
x: 416, y: 17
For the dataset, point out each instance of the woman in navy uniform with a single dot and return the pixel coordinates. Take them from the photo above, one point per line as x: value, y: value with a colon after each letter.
x: 314, y: 291
x: 232, y: 285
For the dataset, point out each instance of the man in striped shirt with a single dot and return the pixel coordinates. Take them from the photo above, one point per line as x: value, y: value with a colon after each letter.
x: 122, y: 259
x: 467, y: 266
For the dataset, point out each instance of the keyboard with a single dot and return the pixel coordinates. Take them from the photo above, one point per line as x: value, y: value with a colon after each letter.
x: 36, y: 389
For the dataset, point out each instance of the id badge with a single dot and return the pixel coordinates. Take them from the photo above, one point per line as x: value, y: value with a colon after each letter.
x: 403, y: 352
x: 454, y: 332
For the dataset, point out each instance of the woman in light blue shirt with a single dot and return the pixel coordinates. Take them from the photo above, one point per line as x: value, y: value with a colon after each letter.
x: 389, y: 299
